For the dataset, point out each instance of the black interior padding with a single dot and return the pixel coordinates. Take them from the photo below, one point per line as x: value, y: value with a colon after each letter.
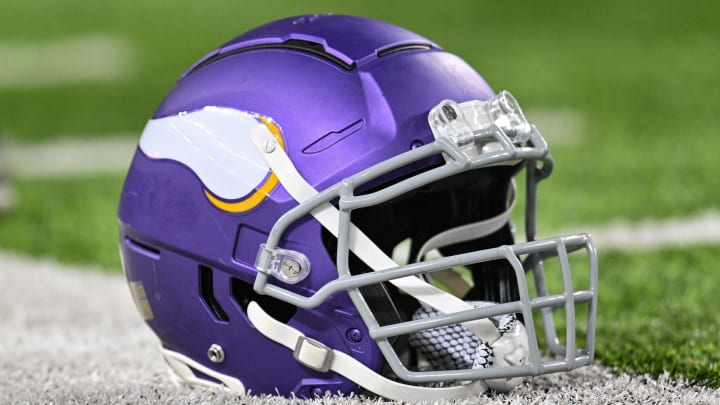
x: 423, y: 213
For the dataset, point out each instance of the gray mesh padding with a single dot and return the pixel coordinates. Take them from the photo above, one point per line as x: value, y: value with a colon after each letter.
x: 454, y: 347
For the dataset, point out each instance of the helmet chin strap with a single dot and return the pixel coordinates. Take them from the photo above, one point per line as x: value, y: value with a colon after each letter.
x: 315, y: 355
x: 361, y: 244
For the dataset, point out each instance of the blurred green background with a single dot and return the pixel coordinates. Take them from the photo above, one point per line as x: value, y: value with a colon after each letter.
x: 628, y: 94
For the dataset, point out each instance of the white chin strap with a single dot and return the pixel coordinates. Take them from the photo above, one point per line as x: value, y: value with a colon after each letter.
x: 316, y: 355
x: 183, y: 366
x: 362, y: 246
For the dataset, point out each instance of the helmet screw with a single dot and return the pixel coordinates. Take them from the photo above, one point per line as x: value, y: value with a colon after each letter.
x: 216, y: 354
x: 269, y: 146
x: 449, y: 112
x: 354, y: 335
x: 416, y: 144
x: 318, y: 392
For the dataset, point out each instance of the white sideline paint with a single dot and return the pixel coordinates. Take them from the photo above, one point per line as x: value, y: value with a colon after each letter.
x: 72, y: 335
x: 72, y: 156
x: 7, y: 196
x: 702, y: 228
x: 559, y: 127
x: 90, y: 58
x: 112, y: 155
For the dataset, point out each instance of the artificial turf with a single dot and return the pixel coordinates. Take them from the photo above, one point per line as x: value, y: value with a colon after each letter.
x: 71, y: 220
x: 658, y: 313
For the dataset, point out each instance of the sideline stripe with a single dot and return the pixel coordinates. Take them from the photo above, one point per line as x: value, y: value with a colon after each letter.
x: 90, y: 58
x: 702, y: 228
x: 72, y: 157
x: 112, y: 155
x: 559, y: 127
x: 76, y: 337
x: 7, y: 196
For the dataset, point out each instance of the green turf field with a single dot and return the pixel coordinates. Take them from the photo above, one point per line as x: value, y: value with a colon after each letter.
x: 641, y: 79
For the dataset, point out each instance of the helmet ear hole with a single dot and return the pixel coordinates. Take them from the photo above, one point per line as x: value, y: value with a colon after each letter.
x: 244, y: 294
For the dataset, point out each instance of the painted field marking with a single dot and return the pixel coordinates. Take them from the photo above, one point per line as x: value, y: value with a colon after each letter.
x: 559, y: 127
x: 76, y: 336
x: 7, y: 196
x: 701, y: 228
x: 112, y: 154
x: 72, y: 156
x: 90, y: 58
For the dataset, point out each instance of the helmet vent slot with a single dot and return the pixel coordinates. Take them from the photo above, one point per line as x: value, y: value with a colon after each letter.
x: 333, y: 137
x: 310, y: 47
x: 208, y: 294
x: 402, y: 48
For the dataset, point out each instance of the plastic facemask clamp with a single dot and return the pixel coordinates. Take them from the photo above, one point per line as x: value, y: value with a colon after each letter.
x: 474, y: 125
x: 288, y: 266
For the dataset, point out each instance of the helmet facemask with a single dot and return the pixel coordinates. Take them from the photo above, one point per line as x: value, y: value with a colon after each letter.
x: 483, y: 145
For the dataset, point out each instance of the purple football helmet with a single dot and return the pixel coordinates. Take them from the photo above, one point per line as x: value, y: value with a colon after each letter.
x: 323, y: 204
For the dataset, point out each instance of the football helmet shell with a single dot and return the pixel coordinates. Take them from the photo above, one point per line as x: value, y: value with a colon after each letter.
x: 272, y: 184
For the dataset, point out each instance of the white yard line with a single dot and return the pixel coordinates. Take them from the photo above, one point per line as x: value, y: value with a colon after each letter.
x: 72, y: 156
x: 559, y: 127
x: 7, y: 196
x: 90, y: 58
x: 702, y: 228
x: 112, y: 155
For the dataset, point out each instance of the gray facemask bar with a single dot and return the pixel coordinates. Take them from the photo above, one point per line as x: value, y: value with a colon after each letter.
x: 456, y: 162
